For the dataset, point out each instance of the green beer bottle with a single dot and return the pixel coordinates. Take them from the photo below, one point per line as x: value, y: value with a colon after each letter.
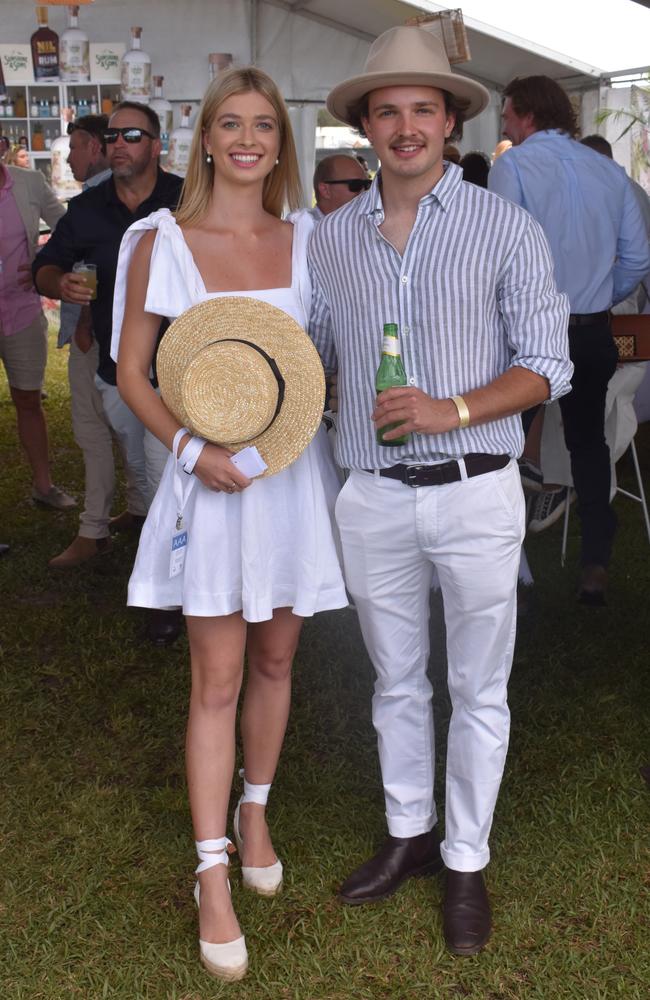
x: 390, y: 374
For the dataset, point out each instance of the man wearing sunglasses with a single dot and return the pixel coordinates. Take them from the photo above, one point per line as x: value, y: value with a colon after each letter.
x: 92, y: 231
x: 337, y: 180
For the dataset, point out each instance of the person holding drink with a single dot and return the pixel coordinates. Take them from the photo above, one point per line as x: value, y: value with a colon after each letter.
x: 227, y: 239
x: 483, y: 335
x: 89, y: 274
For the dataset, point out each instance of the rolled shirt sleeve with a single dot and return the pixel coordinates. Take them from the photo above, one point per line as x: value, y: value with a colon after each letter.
x: 535, y: 313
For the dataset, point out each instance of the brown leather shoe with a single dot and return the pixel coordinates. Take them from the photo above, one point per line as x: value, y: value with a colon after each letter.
x: 126, y: 521
x: 400, y: 858
x: 80, y: 551
x: 593, y: 581
x: 466, y: 913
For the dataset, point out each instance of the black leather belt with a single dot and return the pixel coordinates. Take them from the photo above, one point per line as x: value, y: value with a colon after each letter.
x: 588, y: 319
x: 446, y: 472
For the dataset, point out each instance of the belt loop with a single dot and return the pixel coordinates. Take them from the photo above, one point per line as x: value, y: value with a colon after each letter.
x: 462, y: 469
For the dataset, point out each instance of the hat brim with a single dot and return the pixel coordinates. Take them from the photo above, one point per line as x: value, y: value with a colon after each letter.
x: 461, y: 87
x: 282, y: 338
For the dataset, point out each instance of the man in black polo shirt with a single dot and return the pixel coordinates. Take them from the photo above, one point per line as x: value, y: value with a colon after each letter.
x: 92, y: 231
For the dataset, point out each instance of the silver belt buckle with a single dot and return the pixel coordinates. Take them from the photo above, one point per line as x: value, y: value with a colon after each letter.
x: 411, y: 474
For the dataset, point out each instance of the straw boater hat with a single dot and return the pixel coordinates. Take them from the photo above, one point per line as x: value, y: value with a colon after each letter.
x: 407, y: 56
x: 241, y: 372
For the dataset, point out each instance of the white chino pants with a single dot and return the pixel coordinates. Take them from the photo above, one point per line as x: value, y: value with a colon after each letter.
x: 129, y: 432
x: 392, y: 537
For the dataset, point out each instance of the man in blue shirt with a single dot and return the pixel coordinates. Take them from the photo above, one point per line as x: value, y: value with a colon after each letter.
x: 591, y: 218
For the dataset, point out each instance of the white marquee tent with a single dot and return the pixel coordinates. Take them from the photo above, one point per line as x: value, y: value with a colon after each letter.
x: 306, y: 45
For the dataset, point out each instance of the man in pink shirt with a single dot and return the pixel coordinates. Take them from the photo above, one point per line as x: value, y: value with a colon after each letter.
x: 25, y: 198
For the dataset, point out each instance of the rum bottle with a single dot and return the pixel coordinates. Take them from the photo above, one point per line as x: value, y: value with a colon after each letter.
x: 45, y: 50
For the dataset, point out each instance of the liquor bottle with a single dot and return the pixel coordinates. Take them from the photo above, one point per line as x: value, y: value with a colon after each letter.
x: 20, y: 106
x: 74, y: 59
x: 63, y: 183
x: 54, y: 107
x: 179, y: 144
x: 38, y: 139
x: 136, y: 71
x: 390, y: 375
x: 94, y: 109
x: 33, y: 107
x: 45, y: 50
x: 9, y: 107
x: 162, y: 107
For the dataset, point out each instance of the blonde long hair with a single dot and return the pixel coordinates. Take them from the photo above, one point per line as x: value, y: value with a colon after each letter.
x: 281, y: 186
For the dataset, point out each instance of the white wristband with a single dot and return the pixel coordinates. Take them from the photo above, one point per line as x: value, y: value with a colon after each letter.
x: 191, y: 453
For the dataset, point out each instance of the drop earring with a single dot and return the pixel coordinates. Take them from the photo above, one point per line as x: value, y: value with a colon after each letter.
x: 208, y: 158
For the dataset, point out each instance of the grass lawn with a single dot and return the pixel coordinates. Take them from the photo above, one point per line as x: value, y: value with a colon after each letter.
x: 96, y: 847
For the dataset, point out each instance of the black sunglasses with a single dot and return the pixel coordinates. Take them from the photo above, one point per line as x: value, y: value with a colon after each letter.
x: 128, y: 134
x: 355, y: 184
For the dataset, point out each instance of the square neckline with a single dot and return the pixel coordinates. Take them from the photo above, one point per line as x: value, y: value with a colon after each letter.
x: 245, y: 291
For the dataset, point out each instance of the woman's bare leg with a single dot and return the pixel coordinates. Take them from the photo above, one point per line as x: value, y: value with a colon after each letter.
x: 217, y: 653
x: 271, y: 648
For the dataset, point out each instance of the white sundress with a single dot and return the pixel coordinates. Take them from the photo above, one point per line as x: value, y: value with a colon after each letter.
x: 273, y: 544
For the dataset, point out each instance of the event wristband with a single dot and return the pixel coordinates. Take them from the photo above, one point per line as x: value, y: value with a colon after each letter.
x: 191, y: 453
x: 463, y: 412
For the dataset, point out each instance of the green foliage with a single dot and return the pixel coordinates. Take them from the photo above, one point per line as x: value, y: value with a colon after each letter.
x: 96, y: 843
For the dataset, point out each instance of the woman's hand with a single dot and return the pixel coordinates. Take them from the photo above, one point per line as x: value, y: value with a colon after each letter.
x: 216, y: 471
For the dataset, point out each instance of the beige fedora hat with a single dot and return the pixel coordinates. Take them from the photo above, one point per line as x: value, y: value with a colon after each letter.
x: 241, y: 372
x: 407, y: 56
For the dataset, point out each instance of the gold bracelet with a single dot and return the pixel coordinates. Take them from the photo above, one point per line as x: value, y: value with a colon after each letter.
x: 463, y: 412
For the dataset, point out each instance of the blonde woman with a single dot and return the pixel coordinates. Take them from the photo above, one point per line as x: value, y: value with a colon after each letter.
x: 228, y: 238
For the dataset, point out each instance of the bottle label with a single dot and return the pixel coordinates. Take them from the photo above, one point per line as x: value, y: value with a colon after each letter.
x: 390, y: 346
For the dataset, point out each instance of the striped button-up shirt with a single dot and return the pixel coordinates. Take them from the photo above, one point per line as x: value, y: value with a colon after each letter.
x: 473, y: 295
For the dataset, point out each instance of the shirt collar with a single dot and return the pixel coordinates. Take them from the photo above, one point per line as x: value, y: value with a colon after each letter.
x: 442, y: 192
x: 544, y: 133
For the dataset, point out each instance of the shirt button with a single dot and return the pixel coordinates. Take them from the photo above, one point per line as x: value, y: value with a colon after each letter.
x: 411, y: 381
x: 406, y: 329
x: 404, y: 279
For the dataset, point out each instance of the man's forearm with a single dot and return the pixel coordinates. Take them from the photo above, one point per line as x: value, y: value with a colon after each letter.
x: 48, y: 280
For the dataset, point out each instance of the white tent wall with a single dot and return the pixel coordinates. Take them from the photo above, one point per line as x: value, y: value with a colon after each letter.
x: 305, y: 57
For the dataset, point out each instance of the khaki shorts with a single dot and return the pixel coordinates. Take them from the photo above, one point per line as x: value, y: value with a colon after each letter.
x: 24, y: 355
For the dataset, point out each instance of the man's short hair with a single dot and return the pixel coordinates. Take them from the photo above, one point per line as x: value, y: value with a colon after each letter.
x: 599, y: 143
x: 545, y: 100
x: 358, y: 110
x: 94, y: 125
x: 144, y: 109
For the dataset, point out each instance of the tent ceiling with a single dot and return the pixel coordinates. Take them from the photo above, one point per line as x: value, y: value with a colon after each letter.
x: 496, y: 56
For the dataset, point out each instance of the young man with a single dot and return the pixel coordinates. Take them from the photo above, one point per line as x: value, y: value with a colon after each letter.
x: 468, y: 278
x: 591, y: 218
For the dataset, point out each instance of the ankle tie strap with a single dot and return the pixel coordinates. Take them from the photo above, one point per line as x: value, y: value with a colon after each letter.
x: 213, y: 852
x: 254, y: 793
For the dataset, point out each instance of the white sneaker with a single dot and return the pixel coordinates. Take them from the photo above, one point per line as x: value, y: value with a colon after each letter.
x: 549, y: 508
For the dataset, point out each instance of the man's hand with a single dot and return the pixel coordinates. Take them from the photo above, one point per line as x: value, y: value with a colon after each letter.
x: 414, y: 411
x: 24, y: 277
x: 73, y: 288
